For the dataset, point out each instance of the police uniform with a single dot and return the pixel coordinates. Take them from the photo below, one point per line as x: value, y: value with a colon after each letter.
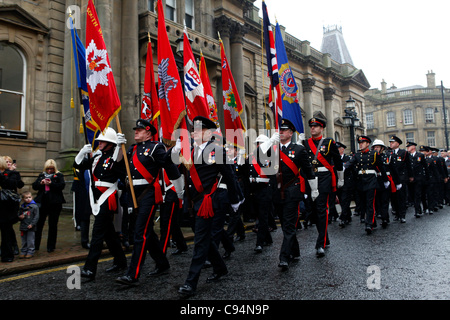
x: 260, y: 189
x: 346, y: 193
x: 146, y: 159
x: 209, y: 161
x: 420, y: 173
x: 323, y: 154
x: 291, y: 189
x: 106, y: 171
x: 432, y: 181
x: 443, y: 178
x: 401, y: 162
x: 368, y: 164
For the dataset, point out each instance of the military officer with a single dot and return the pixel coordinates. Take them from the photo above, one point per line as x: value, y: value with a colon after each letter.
x: 209, y: 166
x: 447, y: 184
x: 401, y: 162
x: 147, y: 158
x: 346, y: 193
x: 368, y: 164
x: 106, y: 167
x: 417, y: 187
x: 323, y: 154
x: 444, y: 177
x: 261, y: 183
x: 432, y: 181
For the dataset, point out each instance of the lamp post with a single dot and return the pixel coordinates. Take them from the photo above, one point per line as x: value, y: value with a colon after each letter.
x: 351, y: 120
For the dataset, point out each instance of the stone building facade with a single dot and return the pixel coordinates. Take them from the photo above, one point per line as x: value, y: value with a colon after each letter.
x: 414, y: 113
x: 43, y: 124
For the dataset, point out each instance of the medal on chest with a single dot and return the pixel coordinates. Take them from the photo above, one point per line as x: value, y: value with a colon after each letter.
x: 212, y: 157
x: 106, y: 162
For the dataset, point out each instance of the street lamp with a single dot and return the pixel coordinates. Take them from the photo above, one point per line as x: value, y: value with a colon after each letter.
x: 351, y: 120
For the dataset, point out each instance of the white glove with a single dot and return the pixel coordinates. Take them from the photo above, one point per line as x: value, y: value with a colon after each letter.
x: 179, y: 186
x: 177, y: 148
x: 84, y: 151
x: 386, y: 184
x: 130, y: 210
x: 340, y: 179
x: 274, y: 140
x: 398, y: 186
x: 235, y: 206
x: 313, y: 183
x: 121, y: 138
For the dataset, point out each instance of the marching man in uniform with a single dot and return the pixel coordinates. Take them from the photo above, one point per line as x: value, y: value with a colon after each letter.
x: 107, y: 167
x: 323, y: 154
x: 146, y: 159
x: 208, y: 170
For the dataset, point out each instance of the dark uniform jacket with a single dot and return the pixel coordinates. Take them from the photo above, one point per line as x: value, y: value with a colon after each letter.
x: 213, y: 167
x: 330, y: 152
x: 402, y: 164
x: 252, y: 178
x: 153, y: 156
x: 367, y: 165
x: 419, y: 166
x: 442, y: 168
x: 433, y: 169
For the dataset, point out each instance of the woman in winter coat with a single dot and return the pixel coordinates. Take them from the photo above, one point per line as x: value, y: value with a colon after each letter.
x: 49, y: 185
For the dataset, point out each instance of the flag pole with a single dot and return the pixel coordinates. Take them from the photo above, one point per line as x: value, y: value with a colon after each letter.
x: 127, y: 165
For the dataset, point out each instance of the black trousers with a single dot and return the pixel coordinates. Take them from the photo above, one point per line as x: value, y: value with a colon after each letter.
x: 169, y: 213
x: 52, y: 211
x: 320, y: 216
x: 382, y: 202
x: 418, y: 190
x: 103, y: 230
x: 145, y: 237
x: 399, y: 199
x: 287, y: 211
x: 7, y: 234
x: 432, y: 195
x: 367, y: 198
x: 206, y: 234
x: 345, y: 199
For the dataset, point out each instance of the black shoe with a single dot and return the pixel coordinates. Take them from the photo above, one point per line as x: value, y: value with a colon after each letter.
x: 85, y: 245
x: 50, y: 250
x: 207, y: 264
x: 88, y: 274
x: 186, y: 290
x: 402, y: 220
x: 159, y: 271
x: 127, y: 280
x: 369, y: 230
x: 226, y: 255
x: 115, y: 268
x: 216, y: 277
x: 384, y: 223
x: 177, y: 252
x: 320, y: 252
x: 284, y: 265
x: 342, y: 224
x: 239, y: 238
x: 258, y: 249
x: 418, y: 215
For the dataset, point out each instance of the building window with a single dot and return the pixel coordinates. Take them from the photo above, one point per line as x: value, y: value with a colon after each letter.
x: 390, y: 118
x: 431, y: 139
x: 409, y: 137
x: 189, y: 14
x: 151, y: 5
x: 429, y: 115
x: 408, y: 116
x: 12, y: 88
x: 369, y: 121
x: 171, y: 10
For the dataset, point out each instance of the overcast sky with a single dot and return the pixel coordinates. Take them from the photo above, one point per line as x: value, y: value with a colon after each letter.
x: 396, y: 40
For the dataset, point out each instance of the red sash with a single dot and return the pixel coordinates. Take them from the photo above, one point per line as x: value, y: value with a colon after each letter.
x: 112, y: 199
x: 323, y: 161
x: 206, y: 209
x: 258, y: 168
x: 288, y: 161
x: 148, y: 176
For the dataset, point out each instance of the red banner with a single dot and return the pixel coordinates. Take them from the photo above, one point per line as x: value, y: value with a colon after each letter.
x: 208, y: 92
x: 150, y: 103
x: 104, y: 102
x: 232, y: 106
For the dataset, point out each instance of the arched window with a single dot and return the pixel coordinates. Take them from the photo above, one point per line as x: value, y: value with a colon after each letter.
x: 12, y: 88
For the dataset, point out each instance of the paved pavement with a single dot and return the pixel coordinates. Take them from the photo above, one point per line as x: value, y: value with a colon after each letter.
x: 68, y: 248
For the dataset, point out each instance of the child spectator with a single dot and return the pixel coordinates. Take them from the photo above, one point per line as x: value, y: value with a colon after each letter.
x: 28, y: 216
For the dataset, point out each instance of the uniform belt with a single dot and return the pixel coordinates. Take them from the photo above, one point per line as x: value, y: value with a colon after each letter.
x: 387, y: 173
x: 169, y: 187
x: 105, y: 184
x: 367, y: 172
x: 139, y: 182
x: 320, y: 169
x: 258, y: 180
x: 222, y: 186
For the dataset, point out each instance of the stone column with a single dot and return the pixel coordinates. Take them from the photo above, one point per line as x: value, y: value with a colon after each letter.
x: 328, y: 95
x: 308, y: 85
x: 129, y: 88
x: 223, y: 26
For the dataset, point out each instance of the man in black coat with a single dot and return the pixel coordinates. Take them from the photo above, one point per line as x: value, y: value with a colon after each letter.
x: 401, y: 162
x: 323, y: 155
x: 417, y: 186
x: 208, y: 167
